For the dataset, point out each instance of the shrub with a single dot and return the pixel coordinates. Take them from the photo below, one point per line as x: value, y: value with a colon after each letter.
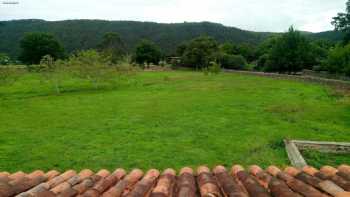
x: 232, y: 61
x: 4, y: 59
x: 338, y: 61
x: 214, y: 68
x: 92, y: 66
x: 52, y: 71
x: 9, y: 75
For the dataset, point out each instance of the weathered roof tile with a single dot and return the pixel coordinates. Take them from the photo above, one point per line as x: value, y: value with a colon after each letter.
x: 255, y: 182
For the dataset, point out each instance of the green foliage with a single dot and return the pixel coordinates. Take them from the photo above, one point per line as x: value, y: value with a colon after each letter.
x: 9, y: 75
x: 200, y: 52
x: 147, y: 52
x: 290, y: 53
x: 36, y: 45
x: 342, y: 22
x: 52, y: 71
x: 92, y: 66
x: 232, y: 61
x: 263, y: 62
x: 338, y: 61
x: 248, y: 51
x: 213, y: 68
x: 112, y: 46
x: 4, y: 59
x: 77, y: 35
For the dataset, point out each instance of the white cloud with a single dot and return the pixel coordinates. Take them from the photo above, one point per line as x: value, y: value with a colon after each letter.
x: 256, y: 15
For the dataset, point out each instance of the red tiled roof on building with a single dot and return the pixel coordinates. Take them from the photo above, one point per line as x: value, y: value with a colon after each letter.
x: 218, y: 182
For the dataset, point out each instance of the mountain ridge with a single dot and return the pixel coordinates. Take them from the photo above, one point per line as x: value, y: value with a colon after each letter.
x: 86, y: 33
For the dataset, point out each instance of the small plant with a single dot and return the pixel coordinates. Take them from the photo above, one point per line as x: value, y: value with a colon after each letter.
x: 214, y: 68
x: 51, y: 71
x: 9, y: 75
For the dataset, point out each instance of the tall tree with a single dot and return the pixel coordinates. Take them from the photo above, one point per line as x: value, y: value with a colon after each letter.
x: 36, y: 45
x: 291, y: 53
x: 200, y: 52
x: 342, y: 22
x: 113, y: 46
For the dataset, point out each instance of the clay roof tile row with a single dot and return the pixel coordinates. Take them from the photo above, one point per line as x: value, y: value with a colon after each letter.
x: 218, y: 182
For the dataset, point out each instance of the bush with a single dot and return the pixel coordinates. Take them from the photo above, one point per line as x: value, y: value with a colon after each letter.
x: 4, y: 59
x: 92, y: 66
x: 52, y: 71
x: 338, y: 61
x: 9, y: 75
x: 214, y: 68
x: 232, y: 61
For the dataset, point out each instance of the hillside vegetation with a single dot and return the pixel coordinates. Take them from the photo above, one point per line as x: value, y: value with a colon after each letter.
x: 85, y: 34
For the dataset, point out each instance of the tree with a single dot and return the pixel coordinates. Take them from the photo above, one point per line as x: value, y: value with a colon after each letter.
x: 229, y: 48
x: 36, y: 45
x: 342, y: 22
x: 248, y: 51
x: 200, y: 52
x: 147, y: 52
x: 4, y: 59
x: 338, y: 61
x: 112, y: 46
x: 290, y: 53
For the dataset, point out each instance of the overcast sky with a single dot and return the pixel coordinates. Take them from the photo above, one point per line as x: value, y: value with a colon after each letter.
x: 255, y: 15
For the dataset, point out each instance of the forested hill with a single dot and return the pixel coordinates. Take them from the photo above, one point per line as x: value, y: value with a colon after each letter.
x: 84, y: 34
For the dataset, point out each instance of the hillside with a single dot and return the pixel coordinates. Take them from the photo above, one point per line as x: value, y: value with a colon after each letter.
x: 84, y: 34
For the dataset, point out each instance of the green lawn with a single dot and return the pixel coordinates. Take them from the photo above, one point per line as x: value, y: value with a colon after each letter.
x: 164, y: 119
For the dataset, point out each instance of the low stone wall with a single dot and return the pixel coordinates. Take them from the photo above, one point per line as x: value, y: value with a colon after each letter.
x: 333, y: 82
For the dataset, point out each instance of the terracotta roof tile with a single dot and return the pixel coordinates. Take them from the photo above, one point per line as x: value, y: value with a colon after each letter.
x: 219, y: 182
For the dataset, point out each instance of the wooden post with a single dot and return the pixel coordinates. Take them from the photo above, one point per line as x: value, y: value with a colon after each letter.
x: 294, y: 155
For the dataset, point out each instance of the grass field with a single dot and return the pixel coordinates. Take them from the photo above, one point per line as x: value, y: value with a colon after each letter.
x: 165, y: 119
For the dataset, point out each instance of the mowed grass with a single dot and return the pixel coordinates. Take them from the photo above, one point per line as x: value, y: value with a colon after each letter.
x: 164, y: 119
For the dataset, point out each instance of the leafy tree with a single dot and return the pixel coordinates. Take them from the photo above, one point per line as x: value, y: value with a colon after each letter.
x: 290, y: 53
x: 229, y: 48
x: 248, y: 51
x: 4, y: 59
x: 36, y: 45
x: 338, y: 61
x: 180, y: 49
x: 319, y: 50
x: 342, y: 22
x: 112, y: 46
x: 200, y: 52
x: 147, y: 52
